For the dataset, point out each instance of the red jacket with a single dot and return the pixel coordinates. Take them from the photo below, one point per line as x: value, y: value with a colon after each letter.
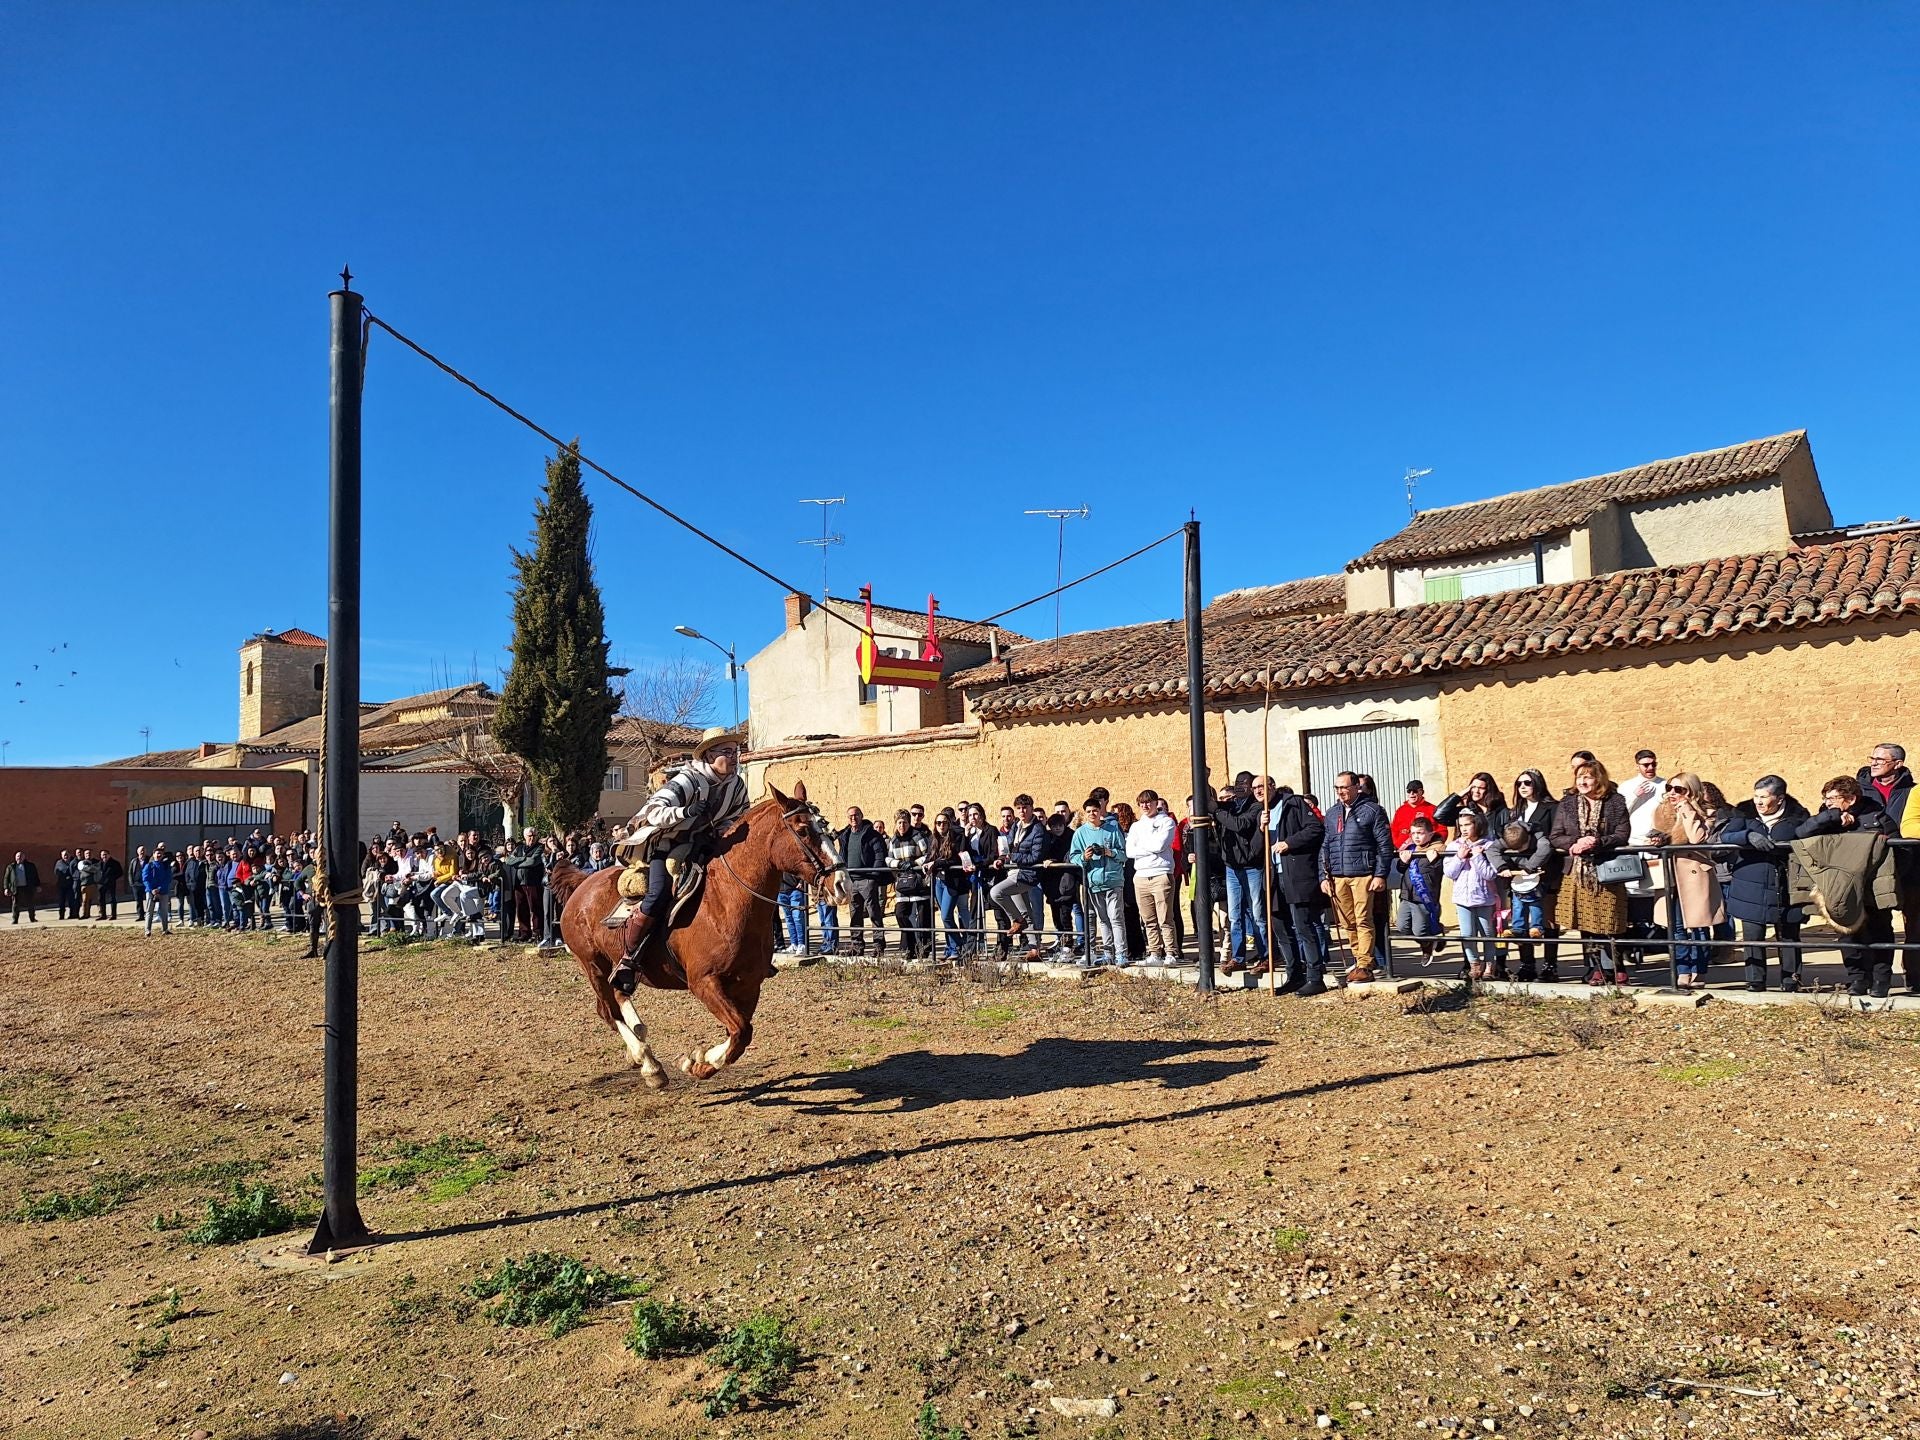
x: 1404, y: 817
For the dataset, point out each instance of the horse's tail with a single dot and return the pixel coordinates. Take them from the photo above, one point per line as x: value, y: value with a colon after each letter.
x: 564, y: 877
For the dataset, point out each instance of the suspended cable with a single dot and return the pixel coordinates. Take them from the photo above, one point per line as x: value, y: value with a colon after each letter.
x: 598, y: 468
x: 1091, y: 574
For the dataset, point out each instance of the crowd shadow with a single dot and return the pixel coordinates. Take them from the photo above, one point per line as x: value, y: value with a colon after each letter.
x: 879, y: 1155
x: 916, y: 1080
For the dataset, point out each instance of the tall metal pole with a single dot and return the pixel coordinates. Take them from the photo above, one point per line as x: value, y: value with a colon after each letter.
x: 1201, y: 831
x: 340, y: 1222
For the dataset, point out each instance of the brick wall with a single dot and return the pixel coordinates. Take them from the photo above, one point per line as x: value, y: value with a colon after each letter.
x: 1807, y: 710
x: 1054, y: 759
x: 44, y: 810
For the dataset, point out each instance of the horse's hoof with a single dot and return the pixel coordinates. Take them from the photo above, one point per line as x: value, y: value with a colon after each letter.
x: 654, y: 1079
x: 686, y: 1064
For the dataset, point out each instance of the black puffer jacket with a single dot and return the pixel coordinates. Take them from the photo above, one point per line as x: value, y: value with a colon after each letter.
x: 1758, y: 890
x: 1238, y: 826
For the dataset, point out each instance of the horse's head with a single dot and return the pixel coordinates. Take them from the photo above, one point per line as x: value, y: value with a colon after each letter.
x: 804, y: 846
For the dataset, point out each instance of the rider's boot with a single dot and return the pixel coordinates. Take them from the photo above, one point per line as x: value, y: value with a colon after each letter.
x: 626, y: 974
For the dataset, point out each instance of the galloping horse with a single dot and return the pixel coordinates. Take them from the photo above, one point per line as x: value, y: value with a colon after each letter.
x: 725, y: 952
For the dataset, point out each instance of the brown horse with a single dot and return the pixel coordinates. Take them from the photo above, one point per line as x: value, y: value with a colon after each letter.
x: 723, y: 954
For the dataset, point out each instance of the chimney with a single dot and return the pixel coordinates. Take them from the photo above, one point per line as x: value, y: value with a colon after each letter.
x: 797, y: 607
x: 207, y: 747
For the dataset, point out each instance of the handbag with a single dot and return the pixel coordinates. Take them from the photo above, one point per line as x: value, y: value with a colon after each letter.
x: 1627, y: 868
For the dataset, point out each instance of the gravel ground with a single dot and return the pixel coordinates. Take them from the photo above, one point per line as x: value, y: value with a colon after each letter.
x: 985, y: 1206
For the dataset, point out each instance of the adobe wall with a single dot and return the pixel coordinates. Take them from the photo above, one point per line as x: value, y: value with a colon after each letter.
x: 1053, y: 759
x: 1806, y: 709
x: 44, y: 810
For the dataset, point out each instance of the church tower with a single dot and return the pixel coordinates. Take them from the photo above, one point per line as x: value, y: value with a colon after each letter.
x: 282, y: 678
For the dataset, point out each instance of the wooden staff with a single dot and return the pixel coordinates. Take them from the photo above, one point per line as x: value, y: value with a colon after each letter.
x: 1266, y: 828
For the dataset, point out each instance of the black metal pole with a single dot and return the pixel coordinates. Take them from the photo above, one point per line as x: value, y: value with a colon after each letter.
x: 340, y: 1222
x: 1200, y: 833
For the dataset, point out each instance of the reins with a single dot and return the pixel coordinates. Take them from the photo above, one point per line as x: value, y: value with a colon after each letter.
x: 774, y: 900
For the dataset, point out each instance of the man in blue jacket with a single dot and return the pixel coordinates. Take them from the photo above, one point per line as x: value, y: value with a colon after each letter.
x: 1354, y: 855
x: 1026, y: 848
x: 1100, y: 850
x: 155, y: 881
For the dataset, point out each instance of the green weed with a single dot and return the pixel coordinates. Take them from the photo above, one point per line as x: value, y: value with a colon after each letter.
x: 927, y: 1426
x: 98, y: 1198
x: 1703, y: 1073
x: 882, y: 1022
x: 548, y: 1289
x: 761, y: 1358
x: 1258, y: 1392
x: 449, y: 1166
x: 988, y: 1016
x: 1289, y: 1239
x: 145, y: 1350
x: 669, y: 1329
x: 253, y: 1211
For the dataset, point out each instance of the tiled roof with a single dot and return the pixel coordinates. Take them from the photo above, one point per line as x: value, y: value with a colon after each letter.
x: 843, y: 744
x: 1315, y: 595
x: 1508, y: 520
x: 1874, y: 577
x: 914, y: 622
x: 383, y: 731
x: 295, y: 636
x: 155, y: 760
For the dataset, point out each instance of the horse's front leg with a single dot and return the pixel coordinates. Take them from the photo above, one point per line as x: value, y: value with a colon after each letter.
x: 634, y: 1032
x: 733, y: 1008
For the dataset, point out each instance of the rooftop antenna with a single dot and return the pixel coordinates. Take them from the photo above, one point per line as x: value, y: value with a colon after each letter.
x: 1060, y: 554
x: 146, y: 734
x: 826, y: 539
x: 1413, y: 478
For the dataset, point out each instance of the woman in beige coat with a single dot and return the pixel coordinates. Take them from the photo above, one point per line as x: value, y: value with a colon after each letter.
x: 1693, y: 905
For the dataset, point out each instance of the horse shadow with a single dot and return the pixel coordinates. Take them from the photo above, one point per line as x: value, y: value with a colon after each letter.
x: 917, y: 1080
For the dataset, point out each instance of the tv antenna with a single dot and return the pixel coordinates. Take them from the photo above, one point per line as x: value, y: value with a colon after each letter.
x: 826, y: 539
x: 1413, y: 478
x: 146, y: 734
x: 1060, y: 554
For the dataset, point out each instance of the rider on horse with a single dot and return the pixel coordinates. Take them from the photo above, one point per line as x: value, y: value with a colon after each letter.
x: 700, y: 802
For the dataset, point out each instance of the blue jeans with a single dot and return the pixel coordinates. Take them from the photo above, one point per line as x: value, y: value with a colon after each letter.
x: 1476, y: 921
x: 1526, y: 915
x: 956, y: 915
x: 829, y: 919
x: 1690, y: 952
x: 1246, y: 910
x: 793, y: 907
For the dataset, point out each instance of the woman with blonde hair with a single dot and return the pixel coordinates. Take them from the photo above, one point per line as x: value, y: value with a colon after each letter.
x: 1691, y: 813
x: 1590, y: 827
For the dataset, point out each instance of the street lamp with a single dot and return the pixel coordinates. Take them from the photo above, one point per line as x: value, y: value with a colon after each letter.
x: 733, y: 666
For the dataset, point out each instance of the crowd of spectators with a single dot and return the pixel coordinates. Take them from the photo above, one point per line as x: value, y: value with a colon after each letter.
x: 1612, y: 873
x: 1602, y: 873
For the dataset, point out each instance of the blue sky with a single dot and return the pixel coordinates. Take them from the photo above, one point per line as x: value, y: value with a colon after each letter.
x: 951, y: 261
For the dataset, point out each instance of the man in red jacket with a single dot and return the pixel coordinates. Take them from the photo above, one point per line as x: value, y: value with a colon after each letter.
x: 1418, y: 807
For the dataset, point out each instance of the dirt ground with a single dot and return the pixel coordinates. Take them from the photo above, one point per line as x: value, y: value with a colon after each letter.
x: 970, y: 1197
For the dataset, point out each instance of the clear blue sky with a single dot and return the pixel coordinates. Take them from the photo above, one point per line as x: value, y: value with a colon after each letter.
x: 951, y: 261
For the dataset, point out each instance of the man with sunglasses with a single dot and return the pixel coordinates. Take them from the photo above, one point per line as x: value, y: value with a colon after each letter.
x: 1887, y: 778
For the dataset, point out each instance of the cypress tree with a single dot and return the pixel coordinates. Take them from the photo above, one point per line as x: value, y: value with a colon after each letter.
x: 557, y: 703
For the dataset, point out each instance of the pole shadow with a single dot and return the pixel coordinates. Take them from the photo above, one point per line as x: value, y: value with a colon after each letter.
x: 877, y: 1156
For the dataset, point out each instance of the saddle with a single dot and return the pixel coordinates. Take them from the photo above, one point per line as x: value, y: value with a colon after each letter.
x: 689, y: 883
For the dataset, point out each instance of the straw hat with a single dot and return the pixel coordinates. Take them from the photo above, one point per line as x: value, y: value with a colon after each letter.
x: 714, y: 737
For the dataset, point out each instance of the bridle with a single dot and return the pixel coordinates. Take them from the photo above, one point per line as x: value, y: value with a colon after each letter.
x: 821, y: 845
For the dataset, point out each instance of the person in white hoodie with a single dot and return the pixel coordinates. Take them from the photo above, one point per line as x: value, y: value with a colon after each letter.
x: 1150, y: 848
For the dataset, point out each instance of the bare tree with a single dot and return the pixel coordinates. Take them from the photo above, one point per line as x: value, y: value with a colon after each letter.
x: 505, y: 773
x: 678, y: 692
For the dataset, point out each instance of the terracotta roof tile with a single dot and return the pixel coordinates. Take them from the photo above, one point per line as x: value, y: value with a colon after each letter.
x: 295, y: 636
x: 1871, y: 577
x: 1508, y: 520
x: 155, y: 760
x: 1315, y: 595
